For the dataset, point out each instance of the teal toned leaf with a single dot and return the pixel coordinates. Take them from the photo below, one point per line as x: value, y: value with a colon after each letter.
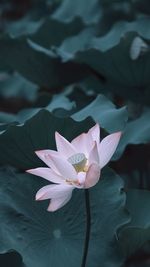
x: 108, y: 41
x: 105, y: 113
x: 7, y: 117
x: 19, y: 143
x: 40, y: 236
x: 72, y: 45
x: 137, y: 232
x: 54, y: 32
x: 119, y: 30
x: 46, y: 32
x: 57, y: 101
x: 136, y: 132
x: 24, y: 26
x: 17, y: 86
x: 88, y: 10
x: 123, y: 76
x: 38, y: 64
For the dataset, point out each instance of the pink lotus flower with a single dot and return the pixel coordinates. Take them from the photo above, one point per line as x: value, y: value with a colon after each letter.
x: 75, y: 164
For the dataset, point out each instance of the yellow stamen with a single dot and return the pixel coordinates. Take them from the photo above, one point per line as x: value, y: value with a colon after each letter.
x: 78, y: 161
x: 70, y: 182
x: 86, y: 168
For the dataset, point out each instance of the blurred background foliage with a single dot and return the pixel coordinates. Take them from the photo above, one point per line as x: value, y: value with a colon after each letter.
x: 78, y: 59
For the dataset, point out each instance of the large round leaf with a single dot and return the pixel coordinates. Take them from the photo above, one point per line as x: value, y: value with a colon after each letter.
x: 19, y: 143
x: 57, y: 239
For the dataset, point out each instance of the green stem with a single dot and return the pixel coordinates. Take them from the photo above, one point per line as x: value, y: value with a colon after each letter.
x: 88, y: 227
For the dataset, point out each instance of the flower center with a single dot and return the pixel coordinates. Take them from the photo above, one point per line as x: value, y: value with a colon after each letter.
x: 78, y: 161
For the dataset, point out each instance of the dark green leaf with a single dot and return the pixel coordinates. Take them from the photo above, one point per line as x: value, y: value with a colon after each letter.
x: 44, y: 238
x: 46, y: 32
x: 24, y: 26
x: 119, y: 30
x: 7, y: 117
x: 137, y: 232
x: 123, y: 76
x: 88, y: 10
x: 19, y: 143
x: 37, y: 64
x: 105, y: 113
x: 54, y: 32
x: 17, y: 86
x: 136, y: 132
x: 57, y: 101
x: 11, y: 259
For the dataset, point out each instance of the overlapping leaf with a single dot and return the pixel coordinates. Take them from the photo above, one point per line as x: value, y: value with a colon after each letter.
x: 54, y: 47
x: 37, y: 64
x: 109, y: 57
x: 57, y: 101
x: 124, y: 76
x: 16, y: 86
x: 43, y: 125
x: 46, y: 32
x: 54, y: 32
x: 105, y: 113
